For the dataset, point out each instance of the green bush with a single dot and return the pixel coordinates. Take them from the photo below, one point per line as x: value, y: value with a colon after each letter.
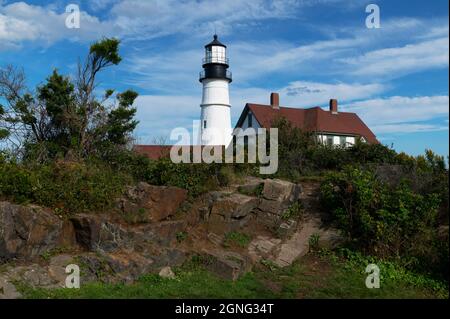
x: 384, y: 221
x: 70, y: 187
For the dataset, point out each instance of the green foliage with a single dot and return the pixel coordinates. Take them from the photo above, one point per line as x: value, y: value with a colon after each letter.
x: 70, y: 187
x: 293, y: 211
x: 4, y: 133
x: 107, y: 51
x: 121, y: 120
x: 387, y: 222
x: 236, y: 239
x: 256, y: 191
x: 181, y: 236
x: 390, y: 272
x: 313, y: 242
x: 65, y: 119
x: 196, y: 178
x: 300, y: 153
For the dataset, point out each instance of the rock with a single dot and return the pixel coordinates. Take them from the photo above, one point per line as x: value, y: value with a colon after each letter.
x: 227, y: 265
x: 147, y: 203
x: 215, y: 239
x: 57, y: 268
x: 93, y: 267
x: 298, y: 244
x: 231, y: 213
x: 263, y: 247
x: 167, y: 272
x: 127, y: 266
x: 27, y: 231
x: 272, y: 207
x: 113, y: 236
x: 271, y: 221
x: 87, y: 230
x: 330, y: 238
x: 169, y: 257
x: 67, y: 237
x: 281, y: 191
x: 163, y: 233
x: 234, y: 206
x: 32, y: 275
x: 277, y: 197
x: 253, y: 186
x: 287, y: 228
x: 7, y: 289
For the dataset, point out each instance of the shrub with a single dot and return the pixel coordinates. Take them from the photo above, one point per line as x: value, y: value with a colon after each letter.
x: 388, y: 222
x: 70, y: 187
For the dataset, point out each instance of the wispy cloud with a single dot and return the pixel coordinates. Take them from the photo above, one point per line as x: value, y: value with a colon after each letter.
x: 397, y: 61
x: 403, y: 114
x: 21, y: 22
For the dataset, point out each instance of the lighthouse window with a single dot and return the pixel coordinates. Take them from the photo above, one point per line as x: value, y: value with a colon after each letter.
x: 204, y: 124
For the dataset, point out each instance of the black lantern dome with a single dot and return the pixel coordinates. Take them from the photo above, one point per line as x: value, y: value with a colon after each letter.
x: 215, y: 62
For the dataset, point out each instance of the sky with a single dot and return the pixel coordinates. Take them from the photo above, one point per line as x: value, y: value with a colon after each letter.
x: 394, y: 77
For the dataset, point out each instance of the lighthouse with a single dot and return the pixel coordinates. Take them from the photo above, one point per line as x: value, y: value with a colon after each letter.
x: 215, y: 107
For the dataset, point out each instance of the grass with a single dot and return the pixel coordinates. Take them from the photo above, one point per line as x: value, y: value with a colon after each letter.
x: 236, y: 239
x: 314, y: 276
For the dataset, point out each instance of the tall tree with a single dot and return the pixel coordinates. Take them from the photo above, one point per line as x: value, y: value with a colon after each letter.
x: 66, y: 118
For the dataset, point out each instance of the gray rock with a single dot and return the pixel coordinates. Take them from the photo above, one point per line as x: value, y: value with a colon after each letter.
x: 87, y: 230
x: 167, y: 272
x: 281, y: 191
x: 7, y: 289
x: 227, y: 265
x: 287, y: 228
x: 147, y: 203
x: 27, y: 231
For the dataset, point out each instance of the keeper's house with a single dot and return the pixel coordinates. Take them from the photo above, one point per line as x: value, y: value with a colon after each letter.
x: 330, y: 126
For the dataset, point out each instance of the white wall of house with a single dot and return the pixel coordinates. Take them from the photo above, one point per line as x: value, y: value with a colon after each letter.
x: 336, y: 139
x: 250, y: 121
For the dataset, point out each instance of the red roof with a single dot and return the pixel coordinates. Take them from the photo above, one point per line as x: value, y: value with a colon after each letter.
x: 156, y: 152
x: 313, y: 119
x: 153, y: 151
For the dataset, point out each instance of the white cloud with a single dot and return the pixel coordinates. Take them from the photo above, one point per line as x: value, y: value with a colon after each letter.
x: 396, y: 61
x: 403, y: 114
x: 21, y: 22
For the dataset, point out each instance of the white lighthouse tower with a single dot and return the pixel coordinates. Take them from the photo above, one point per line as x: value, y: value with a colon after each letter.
x: 215, y: 116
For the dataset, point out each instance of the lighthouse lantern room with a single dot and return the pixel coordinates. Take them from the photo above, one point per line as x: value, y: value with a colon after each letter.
x: 215, y: 107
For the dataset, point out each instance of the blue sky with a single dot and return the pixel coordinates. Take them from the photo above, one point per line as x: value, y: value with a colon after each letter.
x: 395, y: 77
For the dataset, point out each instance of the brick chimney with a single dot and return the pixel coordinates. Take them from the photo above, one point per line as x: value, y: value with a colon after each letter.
x: 334, y: 106
x: 275, y: 100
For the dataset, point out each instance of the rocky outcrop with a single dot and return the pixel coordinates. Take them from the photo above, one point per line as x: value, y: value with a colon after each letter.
x: 226, y: 264
x: 157, y: 229
x: 281, y: 191
x: 146, y: 203
x: 231, y: 212
x: 27, y: 231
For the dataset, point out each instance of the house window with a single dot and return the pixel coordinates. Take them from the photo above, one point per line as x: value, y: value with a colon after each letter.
x: 343, y: 141
x: 250, y: 120
x: 204, y: 124
x: 330, y: 140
